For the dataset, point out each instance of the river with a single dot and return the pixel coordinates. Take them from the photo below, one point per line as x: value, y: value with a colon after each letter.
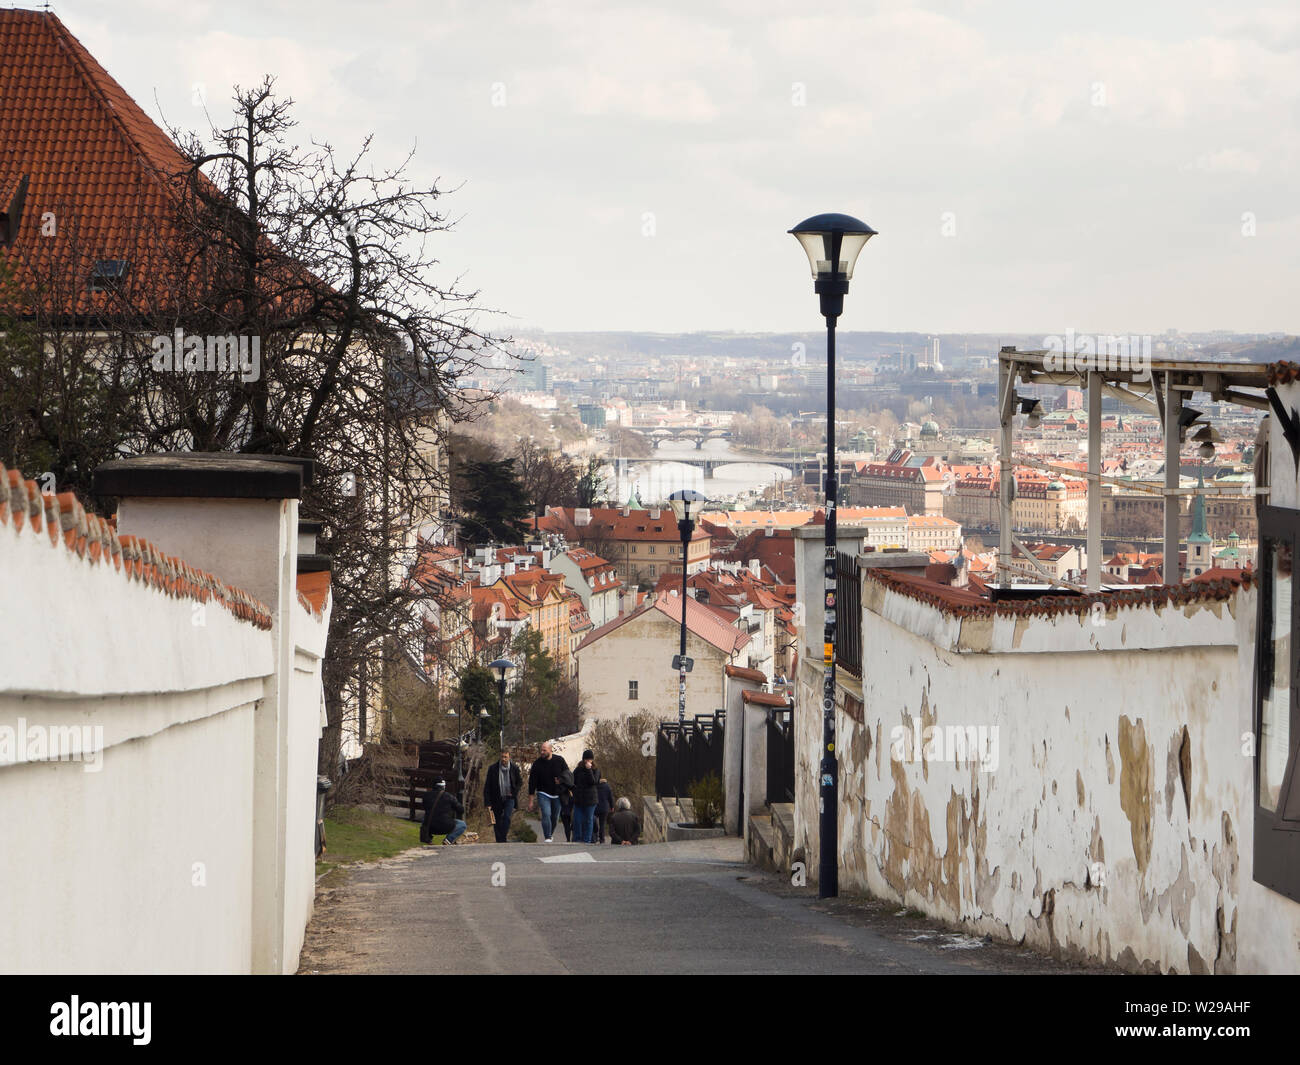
x: 656, y: 477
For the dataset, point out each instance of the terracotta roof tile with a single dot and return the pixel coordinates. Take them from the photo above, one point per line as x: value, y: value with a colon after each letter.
x: 62, y: 518
x: 314, y: 591
x: 965, y: 603
x: 765, y: 698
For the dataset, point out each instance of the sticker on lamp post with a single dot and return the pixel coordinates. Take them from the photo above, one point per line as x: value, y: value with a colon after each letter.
x: 683, y: 662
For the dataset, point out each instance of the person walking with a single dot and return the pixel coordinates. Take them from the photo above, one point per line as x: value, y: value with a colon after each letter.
x: 566, y: 812
x: 604, y: 807
x: 547, y: 779
x: 585, y: 796
x: 501, y: 794
x: 624, y: 826
x: 441, y: 816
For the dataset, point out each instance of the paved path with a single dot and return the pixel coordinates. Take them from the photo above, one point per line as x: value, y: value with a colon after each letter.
x: 662, y: 908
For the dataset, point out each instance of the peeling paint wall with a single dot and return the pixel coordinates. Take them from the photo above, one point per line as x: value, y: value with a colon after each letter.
x: 1115, y: 822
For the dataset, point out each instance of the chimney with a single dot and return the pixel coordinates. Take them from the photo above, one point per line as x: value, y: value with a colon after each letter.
x: 755, y: 567
x: 582, y: 516
x: 654, y: 514
x: 626, y: 512
x: 510, y: 569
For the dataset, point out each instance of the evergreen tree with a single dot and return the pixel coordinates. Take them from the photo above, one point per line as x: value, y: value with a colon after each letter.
x: 495, y: 502
x: 534, y: 699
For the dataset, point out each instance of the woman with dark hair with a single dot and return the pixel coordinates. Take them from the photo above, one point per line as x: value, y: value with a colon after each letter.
x: 585, y: 796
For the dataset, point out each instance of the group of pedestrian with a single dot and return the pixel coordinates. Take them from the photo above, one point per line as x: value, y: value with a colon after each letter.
x: 579, y: 799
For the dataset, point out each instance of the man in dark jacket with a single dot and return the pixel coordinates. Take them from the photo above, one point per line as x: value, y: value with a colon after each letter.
x: 501, y: 793
x: 585, y: 797
x: 440, y: 816
x: 624, y: 826
x: 547, y: 779
x: 604, y: 807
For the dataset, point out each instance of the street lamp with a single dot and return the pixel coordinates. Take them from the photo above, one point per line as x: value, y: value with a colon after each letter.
x: 832, y: 243
x: 459, y: 774
x: 687, y: 505
x: 501, y: 665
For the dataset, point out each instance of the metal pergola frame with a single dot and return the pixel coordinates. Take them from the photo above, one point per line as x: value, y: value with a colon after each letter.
x: 1159, y: 391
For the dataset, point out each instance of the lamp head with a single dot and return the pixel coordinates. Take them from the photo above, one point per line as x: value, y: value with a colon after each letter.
x: 832, y: 243
x: 687, y: 504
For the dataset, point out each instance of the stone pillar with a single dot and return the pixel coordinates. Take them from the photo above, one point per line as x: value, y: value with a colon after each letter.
x: 235, y: 516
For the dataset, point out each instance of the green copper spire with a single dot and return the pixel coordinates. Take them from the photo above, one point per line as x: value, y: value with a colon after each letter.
x: 1199, y: 535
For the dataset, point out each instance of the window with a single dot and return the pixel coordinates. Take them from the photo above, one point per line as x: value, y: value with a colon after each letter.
x: 631, y: 690
x: 107, y: 274
x: 1277, y: 708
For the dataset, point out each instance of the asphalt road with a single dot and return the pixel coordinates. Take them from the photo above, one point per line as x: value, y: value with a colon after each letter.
x: 664, y: 908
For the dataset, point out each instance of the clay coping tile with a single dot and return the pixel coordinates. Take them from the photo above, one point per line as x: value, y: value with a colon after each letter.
x: 765, y: 699
x: 95, y: 540
x: 963, y: 603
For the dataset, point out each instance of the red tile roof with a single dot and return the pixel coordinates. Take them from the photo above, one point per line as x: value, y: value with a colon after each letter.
x: 700, y: 620
x: 93, y: 158
x: 637, y: 526
x: 63, y: 521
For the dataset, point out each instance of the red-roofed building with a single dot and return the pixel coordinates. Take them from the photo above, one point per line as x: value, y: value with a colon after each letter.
x: 594, y: 579
x: 640, y: 544
x: 86, y: 178
x: 625, y: 666
x: 885, y: 484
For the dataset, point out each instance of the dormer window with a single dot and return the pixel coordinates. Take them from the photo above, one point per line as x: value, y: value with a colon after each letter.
x: 108, y: 275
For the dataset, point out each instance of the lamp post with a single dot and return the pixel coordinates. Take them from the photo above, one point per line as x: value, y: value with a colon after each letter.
x: 501, y: 665
x: 687, y: 505
x: 456, y: 727
x: 832, y: 243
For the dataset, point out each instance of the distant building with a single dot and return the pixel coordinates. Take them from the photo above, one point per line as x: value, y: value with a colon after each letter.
x: 885, y: 484
x: 641, y: 544
x: 592, y: 415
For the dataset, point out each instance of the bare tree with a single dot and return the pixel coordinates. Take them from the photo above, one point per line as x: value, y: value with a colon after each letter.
x: 325, y: 267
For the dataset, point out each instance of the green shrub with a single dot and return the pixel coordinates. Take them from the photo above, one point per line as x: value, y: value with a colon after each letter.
x: 706, y: 794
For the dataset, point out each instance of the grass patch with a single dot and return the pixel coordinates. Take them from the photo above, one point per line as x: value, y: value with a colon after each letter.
x: 355, y: 834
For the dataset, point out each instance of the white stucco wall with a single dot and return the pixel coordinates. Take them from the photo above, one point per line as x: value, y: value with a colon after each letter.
x: 142, y: 858
x: 1115, y: 823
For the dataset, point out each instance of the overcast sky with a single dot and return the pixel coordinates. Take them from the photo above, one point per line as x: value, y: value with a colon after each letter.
x: 1029, y: 165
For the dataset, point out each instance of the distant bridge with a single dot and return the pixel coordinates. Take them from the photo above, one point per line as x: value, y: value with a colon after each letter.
x: 709, y: 465
x: 698, y: 436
